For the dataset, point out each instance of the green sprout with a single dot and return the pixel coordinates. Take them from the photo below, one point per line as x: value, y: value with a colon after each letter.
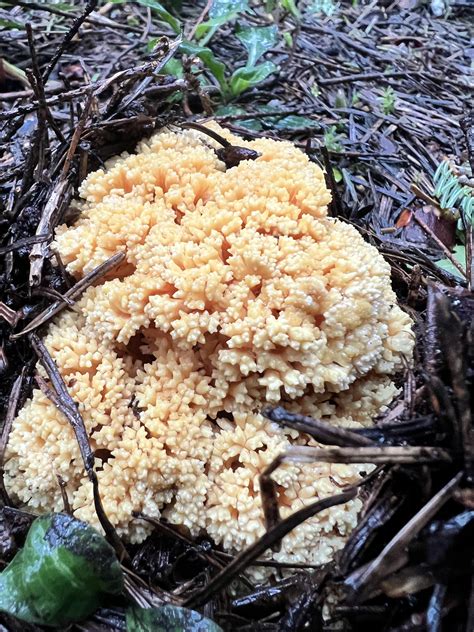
x: 332, y: 140
x: 388, y: 101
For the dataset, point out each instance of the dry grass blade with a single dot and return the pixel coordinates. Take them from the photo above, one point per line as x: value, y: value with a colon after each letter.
x: 22, y: 243
x: 8, y: 314
x: 58, y: 199
x: 97, y: 88
x: 413, y: 455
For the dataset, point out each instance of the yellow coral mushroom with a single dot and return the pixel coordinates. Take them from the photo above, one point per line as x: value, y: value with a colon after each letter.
x: 237, y: 291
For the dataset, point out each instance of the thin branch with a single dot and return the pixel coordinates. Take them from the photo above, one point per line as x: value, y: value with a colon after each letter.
x: 72, y: 294
x: 60, y: 195
x: 387, y: 454
x: 59, y: 395
x: 438, y: 241
x: 10, y: 416
x: 76, y: 25
x: 323, y: 432
x: 246, y: 558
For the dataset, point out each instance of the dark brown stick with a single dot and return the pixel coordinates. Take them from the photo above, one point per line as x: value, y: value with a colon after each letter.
x: 72, y: 294
x: 323, y: 432
x: 10, y: 416
x: 76, y: 25
x: 60, y: 396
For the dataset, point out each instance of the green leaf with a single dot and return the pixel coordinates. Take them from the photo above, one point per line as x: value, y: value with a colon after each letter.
x: 257, y: 40
x: 174, y: 67
x: 288, y: 37
x: 208, y: 58
x: 225, y: 8
x: 288, y: 122
x: 459, y: 253
x: 221, y: 11
x: 168, y: 619
x: 61, y: 574
x: 248, y: 123
x: 10, y: 24
x: 337, y: 174
x: 245, y: 78
x: 290, y: 6
x: 160, y: 11
x: 294, y: 122
x: 328, y: 7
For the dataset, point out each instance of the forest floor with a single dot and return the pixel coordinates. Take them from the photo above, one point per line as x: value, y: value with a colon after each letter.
x: 379, y: 94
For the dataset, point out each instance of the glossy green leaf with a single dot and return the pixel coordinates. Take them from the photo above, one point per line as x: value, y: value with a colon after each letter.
x: 160, y: 11
x: 459, y: 253
x: 221, y: 11
x: 285, y: 122
x: 225, y: 8
x: 248, y: 123
x: 288, y: 38
x: 174, y: 67
x: 168, y: 619
x: 245, y: 78
x: 337, y: 174
x: 62, y: 573
x: 294, y: 122
x: 208, y: 58
x: 290, y: 6
x: 257, y: 41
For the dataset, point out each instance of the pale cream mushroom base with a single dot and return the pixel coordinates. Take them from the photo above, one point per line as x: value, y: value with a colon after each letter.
x: 237, y: 292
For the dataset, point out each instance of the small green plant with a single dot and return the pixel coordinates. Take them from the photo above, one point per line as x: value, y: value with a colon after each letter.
x: 326, y: 7
x: 456, y: 200
x: 451, y: 193
x: 61, y: 575
x: 355, y: 98
x: 332, y: 140
x: 257, y: 41
x: 159, y: 11
x: 220, y: 12
x: 290, y: 6
x: 288, y: 37
x: 388, y: 101
x: 340, y: 100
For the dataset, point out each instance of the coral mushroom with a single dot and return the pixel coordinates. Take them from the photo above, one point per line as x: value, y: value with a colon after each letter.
x: 237, y: 291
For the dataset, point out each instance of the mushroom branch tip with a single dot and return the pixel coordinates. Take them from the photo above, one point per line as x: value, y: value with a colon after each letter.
x: 236, y: 293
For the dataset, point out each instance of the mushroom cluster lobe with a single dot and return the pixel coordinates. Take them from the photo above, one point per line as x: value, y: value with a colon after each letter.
x: 237, y: 292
